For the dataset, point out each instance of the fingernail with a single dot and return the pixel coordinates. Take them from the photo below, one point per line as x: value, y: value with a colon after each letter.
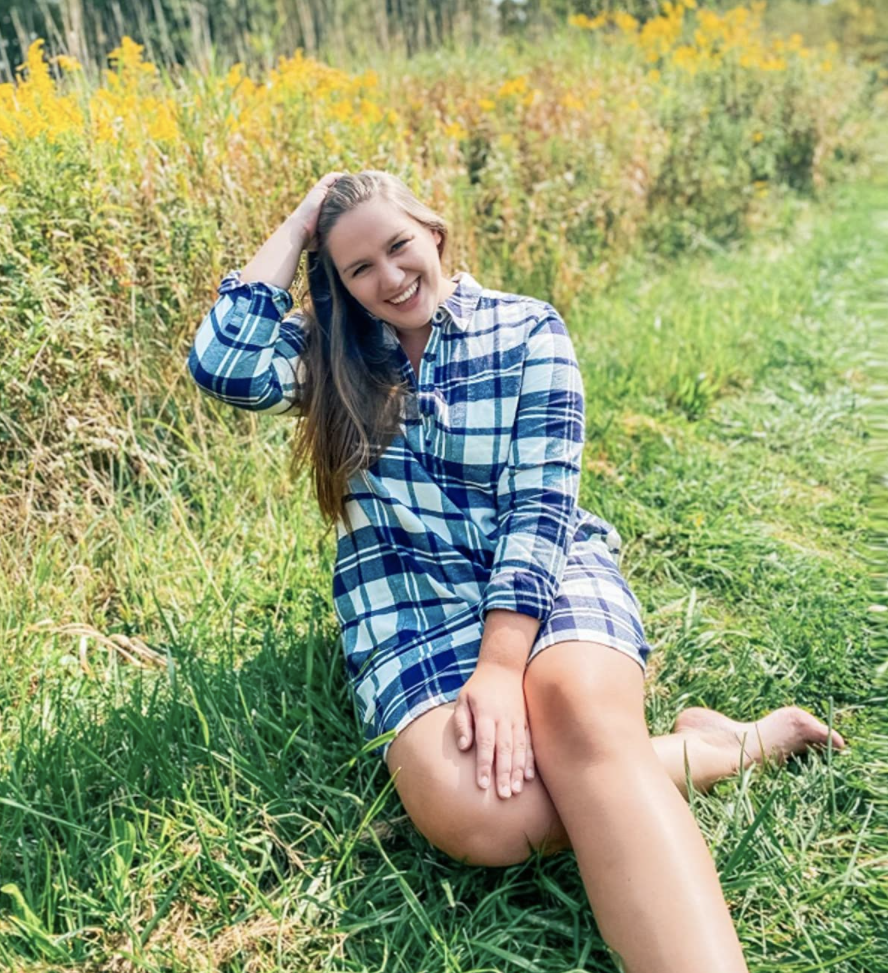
x: 529, y: 773
x: 505, y: 791
x: 485, y: 781
x: 463, y: 742
x: 517, y: 786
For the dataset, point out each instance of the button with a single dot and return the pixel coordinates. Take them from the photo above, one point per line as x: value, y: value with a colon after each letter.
x: 282, y: 301
x: 439, y: 315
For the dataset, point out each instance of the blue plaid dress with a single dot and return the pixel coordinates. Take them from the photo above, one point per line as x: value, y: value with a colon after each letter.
x: 473, y: 506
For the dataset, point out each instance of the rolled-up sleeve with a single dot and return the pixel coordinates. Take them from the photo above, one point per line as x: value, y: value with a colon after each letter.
x: 539, y: 486
x: 244, y: 353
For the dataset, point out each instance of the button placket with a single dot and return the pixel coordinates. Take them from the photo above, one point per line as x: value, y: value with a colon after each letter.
x: 426, y: 372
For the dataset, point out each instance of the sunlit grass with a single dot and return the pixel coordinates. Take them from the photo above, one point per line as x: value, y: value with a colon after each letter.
x: 218, y: 812
x: 206, y: 803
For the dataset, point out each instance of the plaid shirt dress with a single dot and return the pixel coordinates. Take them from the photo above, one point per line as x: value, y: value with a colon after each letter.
x: 473, y: 506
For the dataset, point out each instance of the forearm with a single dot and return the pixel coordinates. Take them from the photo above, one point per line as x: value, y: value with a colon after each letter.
x: 277, y: 259
x: 507, y: 638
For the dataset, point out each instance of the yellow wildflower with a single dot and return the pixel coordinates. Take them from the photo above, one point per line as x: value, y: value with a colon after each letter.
x: 234, y: 76
x: 129, y: 58
x: 515, y: 86
x: 569, y: 100
x: 67, y: 63
x: 163, y: 125
x: 626, y: 22
x: 370, y: 111
x: 587, y: 23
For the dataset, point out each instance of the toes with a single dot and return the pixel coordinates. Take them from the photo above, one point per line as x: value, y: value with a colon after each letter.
x: 838, y: 742
x: 814, y: 731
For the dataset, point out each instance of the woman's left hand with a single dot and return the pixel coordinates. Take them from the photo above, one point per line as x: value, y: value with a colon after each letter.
x: 491, y: 712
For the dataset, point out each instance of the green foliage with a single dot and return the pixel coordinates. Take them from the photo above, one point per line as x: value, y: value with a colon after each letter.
x: 220, y: 810
x: 223, y: 811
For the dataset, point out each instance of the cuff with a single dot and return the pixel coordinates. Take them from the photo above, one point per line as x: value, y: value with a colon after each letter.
x: 519, y: 591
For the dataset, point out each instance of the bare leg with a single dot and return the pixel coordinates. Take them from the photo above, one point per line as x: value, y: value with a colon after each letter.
x: 647, y: 871
x: 713, y: 743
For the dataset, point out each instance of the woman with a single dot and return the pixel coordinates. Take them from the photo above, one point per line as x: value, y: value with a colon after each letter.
x: 444, y: 425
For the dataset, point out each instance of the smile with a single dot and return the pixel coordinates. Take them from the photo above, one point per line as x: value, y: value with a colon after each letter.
x: 406, y: 296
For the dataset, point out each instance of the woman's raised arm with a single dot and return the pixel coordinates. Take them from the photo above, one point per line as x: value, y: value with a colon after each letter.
x: 244, y: 353
x: 278, y: 258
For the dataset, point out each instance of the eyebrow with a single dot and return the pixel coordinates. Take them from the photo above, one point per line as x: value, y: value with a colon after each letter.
x: 365, y: 260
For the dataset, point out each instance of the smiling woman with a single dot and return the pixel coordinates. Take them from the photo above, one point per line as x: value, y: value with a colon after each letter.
x: 395, y: 276
x: 475, y: 595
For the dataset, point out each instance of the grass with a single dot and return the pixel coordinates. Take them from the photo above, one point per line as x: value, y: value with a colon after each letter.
x: 220, y: 811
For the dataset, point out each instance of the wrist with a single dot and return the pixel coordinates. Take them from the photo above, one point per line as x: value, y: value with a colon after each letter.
x: 298, y: 233
x: 507, y: 639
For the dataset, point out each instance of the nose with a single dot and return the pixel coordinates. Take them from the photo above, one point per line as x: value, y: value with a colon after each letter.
x: 392, y: 278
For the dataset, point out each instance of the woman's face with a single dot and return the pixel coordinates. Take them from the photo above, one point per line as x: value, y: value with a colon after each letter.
x: 381, y: 253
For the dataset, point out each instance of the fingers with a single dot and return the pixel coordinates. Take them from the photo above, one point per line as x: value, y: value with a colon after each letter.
x: 503, y: 748
x: 485, y: 741
x: 331, y: 178
x: 529, y: 766
x: 462, y: 724
x: 519, y: 757
x: 504, y: 754
x: 506, y: 745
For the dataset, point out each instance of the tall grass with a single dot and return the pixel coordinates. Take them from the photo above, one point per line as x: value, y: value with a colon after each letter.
x: 183, y: 782
x: 221, y: 811
x: 551, y: 162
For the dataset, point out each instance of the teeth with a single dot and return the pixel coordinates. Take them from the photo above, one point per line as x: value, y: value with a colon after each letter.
x: 407, y: 294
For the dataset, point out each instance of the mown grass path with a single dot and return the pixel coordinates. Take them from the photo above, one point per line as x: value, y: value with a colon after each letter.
x: 220, y: 814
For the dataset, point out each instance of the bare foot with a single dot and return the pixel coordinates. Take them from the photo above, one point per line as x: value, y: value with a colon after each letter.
x: 785, y: 731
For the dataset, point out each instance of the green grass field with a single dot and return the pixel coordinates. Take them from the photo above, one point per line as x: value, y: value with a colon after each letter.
x: 217, y: 810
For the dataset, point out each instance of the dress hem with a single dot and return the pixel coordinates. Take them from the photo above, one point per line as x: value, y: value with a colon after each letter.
x: 439, y: 699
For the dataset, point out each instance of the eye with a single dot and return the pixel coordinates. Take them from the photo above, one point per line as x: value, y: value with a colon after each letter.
x: 398, y: 244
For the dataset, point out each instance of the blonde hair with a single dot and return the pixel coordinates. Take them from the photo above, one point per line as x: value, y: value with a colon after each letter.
x: 352, y: 391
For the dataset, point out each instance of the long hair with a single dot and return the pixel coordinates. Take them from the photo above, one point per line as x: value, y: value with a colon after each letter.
x: 351, y: 389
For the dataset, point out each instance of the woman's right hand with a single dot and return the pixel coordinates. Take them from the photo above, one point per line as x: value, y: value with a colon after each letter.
x: 306, y: 213
x: 491, y: 714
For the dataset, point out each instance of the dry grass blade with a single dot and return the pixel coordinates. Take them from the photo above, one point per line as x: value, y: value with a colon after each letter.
x: 130, y: 647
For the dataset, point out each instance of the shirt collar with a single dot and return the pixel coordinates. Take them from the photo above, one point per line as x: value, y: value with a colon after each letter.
x: 460, y: 306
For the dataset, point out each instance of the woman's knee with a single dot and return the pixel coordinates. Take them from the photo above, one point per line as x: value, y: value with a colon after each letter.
x: 585, y: 698
x: 436, y: 783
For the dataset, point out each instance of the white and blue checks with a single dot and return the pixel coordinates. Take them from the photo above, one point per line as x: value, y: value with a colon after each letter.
x: 472, y: 507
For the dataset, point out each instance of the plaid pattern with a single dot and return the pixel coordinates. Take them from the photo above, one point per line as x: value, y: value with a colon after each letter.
x: 473, y: 507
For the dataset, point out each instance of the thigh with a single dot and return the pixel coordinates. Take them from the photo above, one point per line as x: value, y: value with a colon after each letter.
x: 437, y: 786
